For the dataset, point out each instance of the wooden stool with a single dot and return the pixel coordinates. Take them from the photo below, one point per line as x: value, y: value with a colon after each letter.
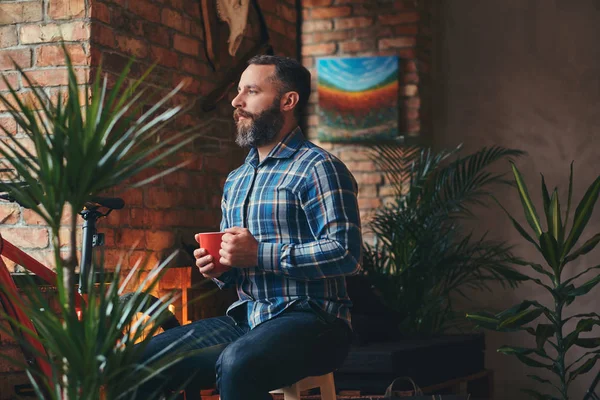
x: 324, y: 382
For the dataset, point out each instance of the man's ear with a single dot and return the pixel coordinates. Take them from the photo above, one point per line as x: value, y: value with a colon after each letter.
x: 289, y: 101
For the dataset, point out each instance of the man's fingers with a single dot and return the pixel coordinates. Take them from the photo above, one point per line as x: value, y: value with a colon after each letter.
x: 199, y: 252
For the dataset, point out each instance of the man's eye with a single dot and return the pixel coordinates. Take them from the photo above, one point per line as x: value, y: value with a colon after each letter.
x: 252, y: 91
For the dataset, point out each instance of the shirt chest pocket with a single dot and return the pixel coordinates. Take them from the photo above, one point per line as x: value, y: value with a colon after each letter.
x: 277, y: 212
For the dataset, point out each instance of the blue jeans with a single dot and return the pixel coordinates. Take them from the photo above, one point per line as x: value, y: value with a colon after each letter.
x: 248, y: 363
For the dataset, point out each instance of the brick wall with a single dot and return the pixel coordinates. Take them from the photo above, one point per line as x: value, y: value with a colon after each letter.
x: 369, y: 28
x: 29, y: 32
x: 165, y: 214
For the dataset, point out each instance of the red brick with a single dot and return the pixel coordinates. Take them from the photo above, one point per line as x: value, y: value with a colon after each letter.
x: 276, y: 24
x: 317, y: 26
x: 356, y: 46
x: 26, y: 237
x: 53, y: 77
x: 186, y: 45
x: 330, y: 12
x: 193, y: 66
x: 308, y: 62
x: 66, y: 9
x: 394, y: 43
x: 164, y: 56
x: 157, y: 34
x: 13, y: 81
x: 412, y: 102
x: 410, y: 90
x: 132, y: 46
x: 319, y: 49
x: 269, y: 6
x: 159, y: 240
x: 71, y: 32
x: 9, y: 213
x: 101, y: 12
x: 8, y: 36
x: 316, y: 3
x: 192, y: 8
x: 176, y: 4
x: 287, y: 13
x: 130, y: 238
x: 368, y: 178
x: 406, y: 53
x: 51, y: 55
x: 8, y: 57
x: 14, y: 13
x: 332, y: 36
x: 175, y: 20
x: 410, y: 78
x: 398, y: 19
x: 103, y: 35
x: 351, y: 23
x: 145, y: 9
x: 408, y: 29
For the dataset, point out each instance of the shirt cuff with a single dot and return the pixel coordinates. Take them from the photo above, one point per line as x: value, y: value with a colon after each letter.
x: 224, y: 280
x: 269, y: 255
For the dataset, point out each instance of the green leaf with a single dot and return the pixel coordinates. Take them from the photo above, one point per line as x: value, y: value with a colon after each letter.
x: 582, y: 215
x: 529, y: 208
x: 583, y: 325
x: 521, y: 318
x: 554, y: 220
x: 536, y: 267
x: 532, y: 362
x: 518, y: 227
x: 542, y: 333
x: 588, y: 246
x: 550, y: 252
x: 585, y: 288
x: 588, y: 343
x: 583, y: 368
x: 570, y: 195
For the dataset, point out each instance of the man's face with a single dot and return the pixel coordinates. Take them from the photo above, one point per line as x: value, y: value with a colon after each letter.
x: 257, y: 112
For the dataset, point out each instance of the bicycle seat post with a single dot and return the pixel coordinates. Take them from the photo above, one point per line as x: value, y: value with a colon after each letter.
x: 90, y: 238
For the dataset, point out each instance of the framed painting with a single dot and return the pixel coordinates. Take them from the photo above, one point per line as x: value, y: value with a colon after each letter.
x: 358, y: 98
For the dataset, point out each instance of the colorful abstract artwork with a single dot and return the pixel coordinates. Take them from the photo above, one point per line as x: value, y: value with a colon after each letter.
x: 358, y: 98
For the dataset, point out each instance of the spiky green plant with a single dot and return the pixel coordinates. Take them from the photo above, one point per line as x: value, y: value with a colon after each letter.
x: 81, y: 149
x: 557, y: 245
x: 423, y: 256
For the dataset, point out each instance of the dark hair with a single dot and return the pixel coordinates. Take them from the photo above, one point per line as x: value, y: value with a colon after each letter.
x: 290, y: 74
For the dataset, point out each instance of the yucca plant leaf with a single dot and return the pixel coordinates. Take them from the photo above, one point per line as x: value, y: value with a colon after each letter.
x: 542, y: 333
x: 549, y: 248
x: 585, y: 288
x: 588, y: 246
x: 546, y: 201
x: 521, y: 318
x: 528, y: 206
x: 569, y: 195
x: 583, y: 368
x: 518, y: 227
x: 582, y: 215
x: 532, y: 362
x: 536, y: 267
x: 588, y: 343
x: 554, y: 220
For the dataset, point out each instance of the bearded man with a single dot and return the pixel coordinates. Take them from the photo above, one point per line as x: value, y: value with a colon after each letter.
x: 292, y: 234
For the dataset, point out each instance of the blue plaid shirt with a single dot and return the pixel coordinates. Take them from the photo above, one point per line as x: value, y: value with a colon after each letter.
x: 300, y: 204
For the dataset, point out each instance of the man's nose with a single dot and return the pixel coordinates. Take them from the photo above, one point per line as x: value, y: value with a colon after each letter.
x: 237, y: 101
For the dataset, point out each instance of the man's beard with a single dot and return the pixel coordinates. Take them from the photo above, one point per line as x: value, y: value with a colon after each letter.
x: 258, y: 129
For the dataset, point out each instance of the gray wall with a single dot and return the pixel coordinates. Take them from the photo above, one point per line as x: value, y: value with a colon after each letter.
x: 525, y: 74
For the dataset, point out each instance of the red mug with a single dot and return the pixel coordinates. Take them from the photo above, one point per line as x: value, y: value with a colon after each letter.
x: 211, y: 242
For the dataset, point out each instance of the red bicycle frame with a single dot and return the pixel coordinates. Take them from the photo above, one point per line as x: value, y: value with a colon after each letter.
x: 15, y: 308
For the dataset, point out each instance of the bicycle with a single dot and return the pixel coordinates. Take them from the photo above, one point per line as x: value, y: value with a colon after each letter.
x: 12, y: 304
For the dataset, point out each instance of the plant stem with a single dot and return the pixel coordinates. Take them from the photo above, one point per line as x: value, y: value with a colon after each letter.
x: 560, y: 357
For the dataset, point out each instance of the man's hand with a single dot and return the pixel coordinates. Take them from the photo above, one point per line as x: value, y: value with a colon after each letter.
x: 239, y: 248
x: 205, y: 263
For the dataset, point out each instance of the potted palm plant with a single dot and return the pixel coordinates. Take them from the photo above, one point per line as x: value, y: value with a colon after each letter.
x: 81, y: 149
x: 422, y: 256
x: 557, y: 245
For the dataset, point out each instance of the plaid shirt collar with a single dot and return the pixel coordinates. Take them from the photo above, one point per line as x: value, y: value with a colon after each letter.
x: 284, y: 149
